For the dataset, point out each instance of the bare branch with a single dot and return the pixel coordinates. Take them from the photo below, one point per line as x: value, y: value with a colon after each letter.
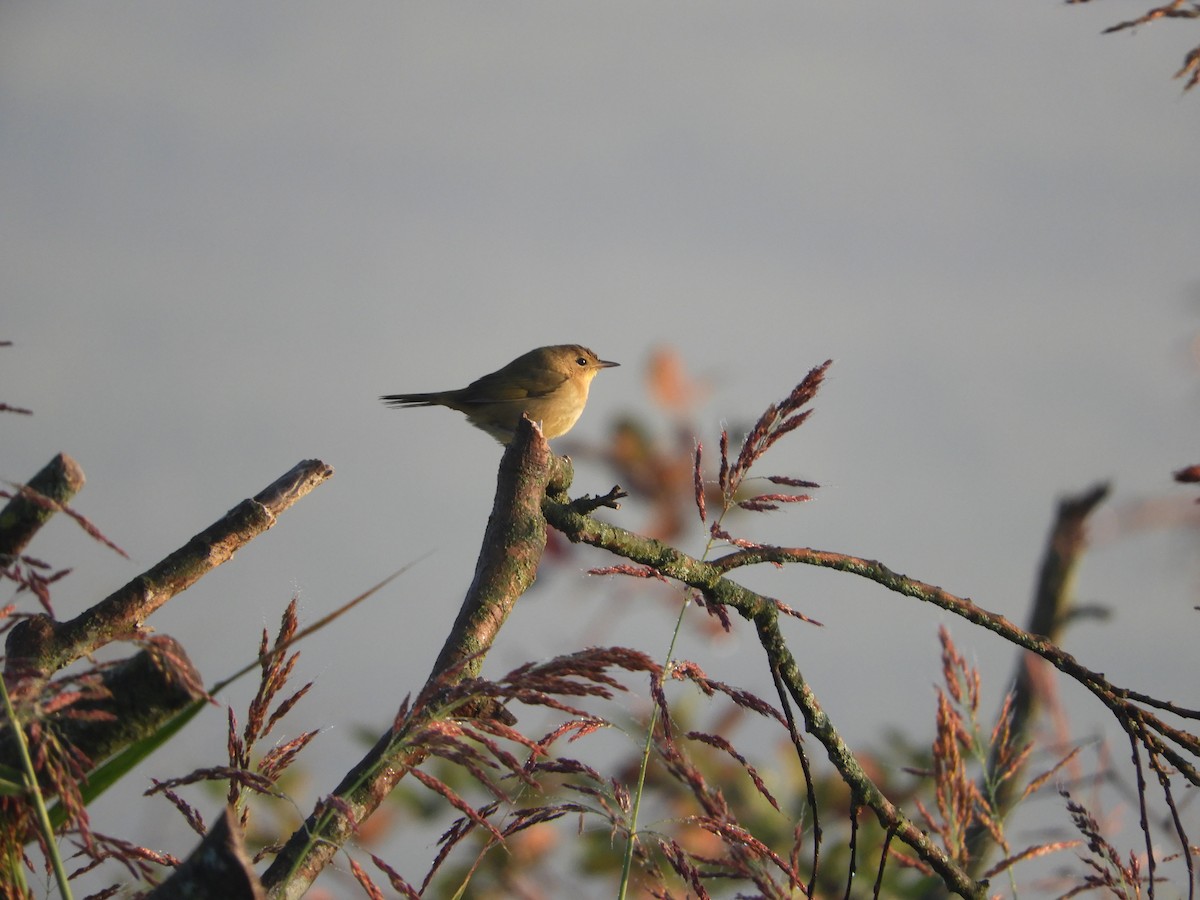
x: 38, y: 647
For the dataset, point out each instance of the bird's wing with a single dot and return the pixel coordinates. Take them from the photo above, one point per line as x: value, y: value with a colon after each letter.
x: 501, y: 385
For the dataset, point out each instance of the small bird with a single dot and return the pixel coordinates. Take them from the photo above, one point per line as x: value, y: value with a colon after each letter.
x: 549, y: 383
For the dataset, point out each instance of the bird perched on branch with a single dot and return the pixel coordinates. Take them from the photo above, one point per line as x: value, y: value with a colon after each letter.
x: 549, y: 383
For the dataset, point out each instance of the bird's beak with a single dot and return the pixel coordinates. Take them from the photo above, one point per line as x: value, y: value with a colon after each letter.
x: 605, y: 364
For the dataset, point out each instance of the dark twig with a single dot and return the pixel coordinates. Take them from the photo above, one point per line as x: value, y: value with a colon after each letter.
x: 220, y: 865
x: 1052, y: 599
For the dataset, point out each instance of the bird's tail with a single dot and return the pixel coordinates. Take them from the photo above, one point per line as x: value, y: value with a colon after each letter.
x: 402, y: 400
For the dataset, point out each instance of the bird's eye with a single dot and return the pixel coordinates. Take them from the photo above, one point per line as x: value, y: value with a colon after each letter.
x: 581, y: 360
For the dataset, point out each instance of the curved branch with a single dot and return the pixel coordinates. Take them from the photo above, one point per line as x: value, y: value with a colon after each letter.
x: 709, y: 579
x: 1119, y: 700
x: 508, y: 561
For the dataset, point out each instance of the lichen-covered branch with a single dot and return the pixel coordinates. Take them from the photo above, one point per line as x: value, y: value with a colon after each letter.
x: 1181, y: 749
x: 512, y: 547
x: 709, y: 579
x: 508, y: 559
x: 1121, y: 701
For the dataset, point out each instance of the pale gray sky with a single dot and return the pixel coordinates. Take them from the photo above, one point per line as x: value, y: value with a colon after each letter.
x: 226, y: 229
